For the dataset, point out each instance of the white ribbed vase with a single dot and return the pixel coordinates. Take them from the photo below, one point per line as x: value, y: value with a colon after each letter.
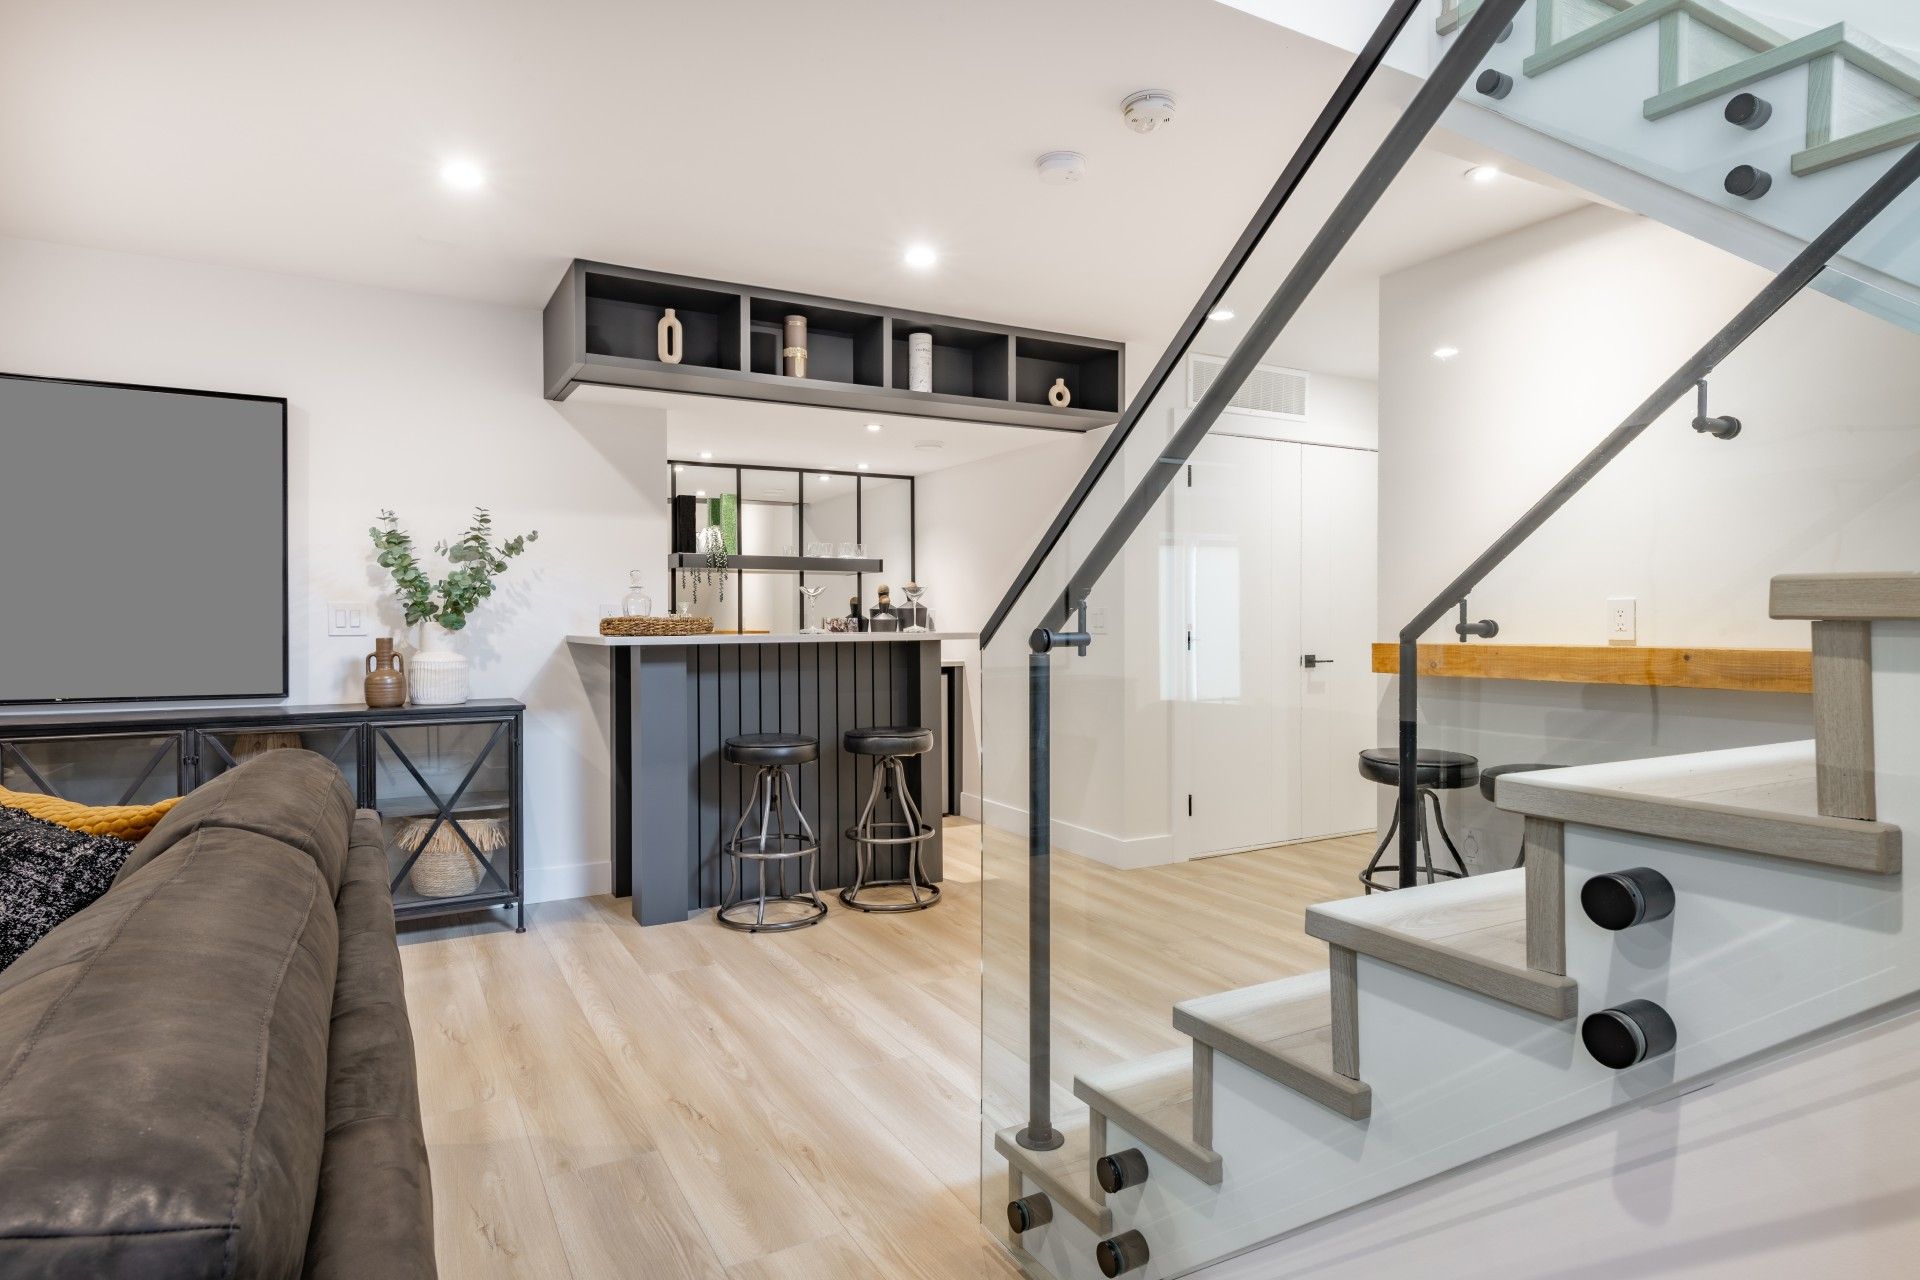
x: 920, y: 362
x: 438, y: 676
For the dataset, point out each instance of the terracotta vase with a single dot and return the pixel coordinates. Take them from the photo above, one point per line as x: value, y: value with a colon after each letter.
x: 386, y: 676
x: 672, y: 336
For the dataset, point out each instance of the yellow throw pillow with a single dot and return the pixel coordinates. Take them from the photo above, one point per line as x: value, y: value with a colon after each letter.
x: 127, y: 821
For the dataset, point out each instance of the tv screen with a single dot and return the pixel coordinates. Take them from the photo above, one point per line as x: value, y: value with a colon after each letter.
x: 143, y: 543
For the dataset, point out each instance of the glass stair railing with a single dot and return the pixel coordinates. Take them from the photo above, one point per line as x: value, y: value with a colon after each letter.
x: 1746, y: 123
x: 1184, y: 1058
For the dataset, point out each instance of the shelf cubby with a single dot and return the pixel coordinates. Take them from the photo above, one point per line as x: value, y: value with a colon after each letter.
x: 600, y: 328
x: 623, y: 320
x: 1092, y: 373
x: 966, y: 361
x: 842, y: 345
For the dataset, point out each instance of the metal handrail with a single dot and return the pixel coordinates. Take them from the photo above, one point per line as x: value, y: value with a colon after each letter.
x: 1782, y: 289
x: 1345, y: 94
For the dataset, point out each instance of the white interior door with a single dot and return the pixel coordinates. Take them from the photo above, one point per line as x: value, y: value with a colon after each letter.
x: 1233, y: 603
x: 1339, y: 495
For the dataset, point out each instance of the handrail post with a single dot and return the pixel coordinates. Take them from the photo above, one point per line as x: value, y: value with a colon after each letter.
x: 1040, y: 1135
x: 1408, y: 796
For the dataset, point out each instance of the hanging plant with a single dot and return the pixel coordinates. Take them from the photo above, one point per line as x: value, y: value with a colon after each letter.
x: 713, y: 542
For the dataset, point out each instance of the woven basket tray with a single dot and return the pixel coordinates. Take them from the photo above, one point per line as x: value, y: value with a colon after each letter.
x: 674, y: 626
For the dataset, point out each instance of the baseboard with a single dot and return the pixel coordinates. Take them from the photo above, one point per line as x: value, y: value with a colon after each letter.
x: 569, y: 880
x: 1124, y: 853
x: 970, y: 805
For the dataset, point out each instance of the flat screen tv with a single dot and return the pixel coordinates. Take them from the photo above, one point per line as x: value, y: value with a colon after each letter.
x: 143, y: 543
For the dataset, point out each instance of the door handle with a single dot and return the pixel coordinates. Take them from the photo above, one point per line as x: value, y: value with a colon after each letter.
x: 1314, y: 660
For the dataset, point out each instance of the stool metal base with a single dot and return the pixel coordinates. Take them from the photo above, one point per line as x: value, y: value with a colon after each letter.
x: 890, y: 776
x: 773, y: 795
x: 1371, y: 876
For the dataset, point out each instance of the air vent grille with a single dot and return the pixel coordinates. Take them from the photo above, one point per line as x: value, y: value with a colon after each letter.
x: 1272, y: 392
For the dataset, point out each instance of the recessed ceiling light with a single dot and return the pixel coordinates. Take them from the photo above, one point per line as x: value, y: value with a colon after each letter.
x: 873, y: 426
x: 921, y: 256
x: 863, y: 466
x: 930, y: 446
x: 1482, y: 174
x: 823, y: 479
x: 679, y: 466
x: 699, y: 493
x: 460, y: 174
x: 1445, y: 353
x: 1219, y: 315
x: 704, y: 455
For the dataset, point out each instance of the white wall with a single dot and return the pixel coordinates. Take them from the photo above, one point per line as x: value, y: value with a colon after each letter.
x: 1563, y: 328
x: 425, y: 405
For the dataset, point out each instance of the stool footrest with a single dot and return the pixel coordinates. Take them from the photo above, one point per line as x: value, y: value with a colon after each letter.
x: 925, y: 833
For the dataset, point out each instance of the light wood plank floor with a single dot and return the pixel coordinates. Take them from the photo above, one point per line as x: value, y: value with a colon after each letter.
x: 602, y: 1100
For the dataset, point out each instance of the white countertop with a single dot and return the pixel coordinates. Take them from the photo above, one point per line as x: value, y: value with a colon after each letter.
x: 824, y: 637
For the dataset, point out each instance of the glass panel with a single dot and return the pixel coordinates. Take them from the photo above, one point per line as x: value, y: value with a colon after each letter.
x: 105, y: 770
x: 706, y: 522
x: 770, y: 526
x: 886, y: 526
x: 222, y: 749
x: 831, y: 525
x: 444, y: 792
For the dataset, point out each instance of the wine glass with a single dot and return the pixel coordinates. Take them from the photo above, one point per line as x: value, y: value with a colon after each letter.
x: 812, y: 628
x: 913, y: 591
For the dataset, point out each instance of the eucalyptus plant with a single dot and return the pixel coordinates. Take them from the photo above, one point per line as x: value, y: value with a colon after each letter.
x: 474, y: 561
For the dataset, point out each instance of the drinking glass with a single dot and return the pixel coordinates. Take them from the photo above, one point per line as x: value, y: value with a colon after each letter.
x: 848, y: 550
x: 913, y: 591
x: 812, y: 594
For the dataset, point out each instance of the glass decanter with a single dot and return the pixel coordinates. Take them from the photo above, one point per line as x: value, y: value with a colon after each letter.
x: 636, y: 603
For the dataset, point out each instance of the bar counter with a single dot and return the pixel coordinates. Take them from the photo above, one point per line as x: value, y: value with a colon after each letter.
x: 677, y: 699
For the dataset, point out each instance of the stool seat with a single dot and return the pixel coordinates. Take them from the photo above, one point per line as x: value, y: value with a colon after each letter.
x: 771, y: 749
x: 1442, y: 770
x: 890, y: 740
x: 1493, y: 773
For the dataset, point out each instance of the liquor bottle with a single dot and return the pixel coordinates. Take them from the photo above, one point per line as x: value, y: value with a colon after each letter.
x: 881, y: 616
x: 857, y: 623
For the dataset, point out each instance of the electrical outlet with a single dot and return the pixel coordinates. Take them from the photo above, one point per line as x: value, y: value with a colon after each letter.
x: 1621, y: 621
x: 348, y: 617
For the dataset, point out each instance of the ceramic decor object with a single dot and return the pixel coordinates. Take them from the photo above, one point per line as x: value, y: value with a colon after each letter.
x: 439, y: 676
x: 386, y: 682
x: 793, y: 355
x: 920, y: 362
x: 1057, y: 395
x: 672, y: 338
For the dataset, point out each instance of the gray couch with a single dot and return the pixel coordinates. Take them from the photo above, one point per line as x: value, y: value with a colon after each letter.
x: 209, y: 1071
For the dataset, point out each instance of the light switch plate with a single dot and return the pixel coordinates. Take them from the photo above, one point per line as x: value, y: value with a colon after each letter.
x: 348, y: 617
x: 1096, y: 620
x: 1622, y: 622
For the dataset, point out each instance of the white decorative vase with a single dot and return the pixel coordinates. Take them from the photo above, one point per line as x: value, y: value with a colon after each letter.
x: 920, y: 362
x: 672, y: 336
x: 438, y: 674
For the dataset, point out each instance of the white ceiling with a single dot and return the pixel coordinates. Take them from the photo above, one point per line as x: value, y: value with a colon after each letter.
x: 797, y: 146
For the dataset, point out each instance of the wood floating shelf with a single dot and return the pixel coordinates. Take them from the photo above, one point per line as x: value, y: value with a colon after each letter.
x: 1751, y: 670
x: 601, y: 328
x: 777, y: 564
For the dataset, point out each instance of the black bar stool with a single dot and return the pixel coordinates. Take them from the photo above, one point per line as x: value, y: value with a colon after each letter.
x: 890, y: 746
x: 1492, y: 775
x: 774, y: 792
x: 1434, y: 772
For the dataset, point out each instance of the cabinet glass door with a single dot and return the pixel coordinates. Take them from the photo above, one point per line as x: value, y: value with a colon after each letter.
x: 444, y: 793
x: 134, y: 768
x: 224, y: 749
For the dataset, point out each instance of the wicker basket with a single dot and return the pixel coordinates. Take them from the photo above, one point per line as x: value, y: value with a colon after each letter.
x: 675, y: 625
x: 446, y: 868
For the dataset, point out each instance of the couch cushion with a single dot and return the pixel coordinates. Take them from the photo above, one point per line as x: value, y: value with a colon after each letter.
x: 375, y: 1211
x: 295, y: 797
x: 47, y: 873
x: 163, y: 1062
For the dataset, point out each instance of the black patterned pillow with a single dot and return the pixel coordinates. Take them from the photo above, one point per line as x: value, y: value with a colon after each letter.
x: 48, y: 873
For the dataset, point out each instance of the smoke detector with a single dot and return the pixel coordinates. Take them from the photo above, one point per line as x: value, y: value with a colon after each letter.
x: 1061, y: 168
x: 1147, y: 110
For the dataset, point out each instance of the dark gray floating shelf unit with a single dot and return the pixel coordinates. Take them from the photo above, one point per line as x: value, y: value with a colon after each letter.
x: 601, y: 328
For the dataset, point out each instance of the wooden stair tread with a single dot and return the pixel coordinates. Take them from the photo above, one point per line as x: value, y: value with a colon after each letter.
x: 1284, y: 1030
x: 1152, y: 1098
x: 1761, y: 800
x: 1062, y: 1173
x: 1470, y: 932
